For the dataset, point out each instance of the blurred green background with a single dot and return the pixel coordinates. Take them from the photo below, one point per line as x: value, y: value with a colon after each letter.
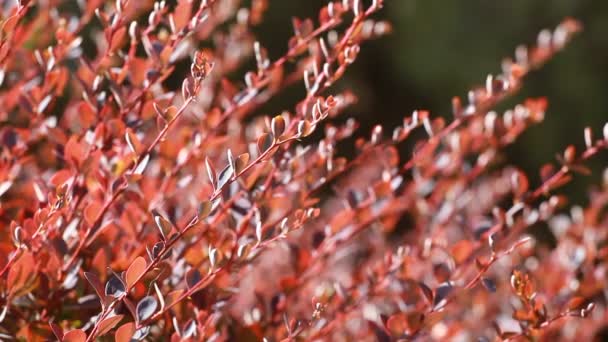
x: 441, y: 48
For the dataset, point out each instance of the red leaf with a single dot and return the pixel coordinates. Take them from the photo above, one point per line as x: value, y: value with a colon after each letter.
x: 426, y: 291
x: 9, y: 24
x: 75, y: 336
x: 74, y: 151
x: 136, y: 269
x: 96, y: 283
x: 91, y: 212
x: 109, y: 323
x: 57, y: 331
x: 60, y: 177
x: 125, y: 332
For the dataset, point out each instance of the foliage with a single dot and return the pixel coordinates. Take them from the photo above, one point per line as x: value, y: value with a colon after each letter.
x: 144, y: 193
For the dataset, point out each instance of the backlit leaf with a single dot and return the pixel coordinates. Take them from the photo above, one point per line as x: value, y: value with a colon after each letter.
x: 277, y: 125
x: 91, y: 212
x: 75, y: 336
x: 125, y: 332
x: 109, y: 323
x: 135, y: 271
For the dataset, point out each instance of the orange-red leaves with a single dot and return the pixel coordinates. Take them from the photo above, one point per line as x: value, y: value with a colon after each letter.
x: 135, y: 271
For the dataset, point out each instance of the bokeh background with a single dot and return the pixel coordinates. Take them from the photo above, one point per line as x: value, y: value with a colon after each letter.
x: 441, y: 48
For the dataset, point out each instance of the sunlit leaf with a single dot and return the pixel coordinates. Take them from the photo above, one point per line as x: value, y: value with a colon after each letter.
x: 108, y: 324
x: 91, y: 212
x: 125, y: 332
x: 75, y: 336
x: 135, y: 271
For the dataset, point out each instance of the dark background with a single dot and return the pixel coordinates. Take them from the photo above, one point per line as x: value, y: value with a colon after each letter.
x: 441, y: 48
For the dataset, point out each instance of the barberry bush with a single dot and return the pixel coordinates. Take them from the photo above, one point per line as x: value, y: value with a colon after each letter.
x: 145, y: 194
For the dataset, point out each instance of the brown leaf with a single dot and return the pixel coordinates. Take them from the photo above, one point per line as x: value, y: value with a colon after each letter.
x: 277, y: 125
x: 96, y: 284
x: 265, y: 142
x: 426, y: 291
x: 240, y: 163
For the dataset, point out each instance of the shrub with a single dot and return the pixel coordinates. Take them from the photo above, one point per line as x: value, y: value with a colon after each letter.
x: 144, y: 195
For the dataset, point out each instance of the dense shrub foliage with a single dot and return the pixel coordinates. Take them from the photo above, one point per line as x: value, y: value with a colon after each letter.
x: 145, y: 193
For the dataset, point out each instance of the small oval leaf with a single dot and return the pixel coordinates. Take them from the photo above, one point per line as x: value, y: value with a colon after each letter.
x: 241, y: 163
x: 204, y: 209
x: 305, y: 128
x: 125, y: 333
x: 193, y: 277
x: 108, y: 324
x: 96, y: 283
x: 224, y: 176
x: 265, y: 142
x: 277, y: 125
x: 164, y: 226
x: 75, y: 336
x: 133, y: 142
x: 157, y: 249
x: 146, y: 308
x: 135, y: 271
x: 211, y: 173
x: 114, y: 287
x: 91, y: 212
